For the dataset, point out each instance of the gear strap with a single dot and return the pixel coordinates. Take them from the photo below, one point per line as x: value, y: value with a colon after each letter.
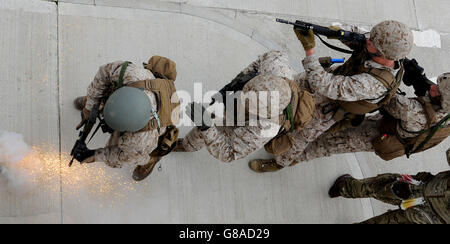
x: 290, y: 116
x: 342, y: 50
x: 442, y: 124
x: 122, y: 74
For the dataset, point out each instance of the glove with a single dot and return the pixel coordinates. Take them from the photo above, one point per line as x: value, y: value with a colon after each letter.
x: 336, y: 28
x: 308, y: 40
x: 196, y: 111
x: 84, y: 118
x: 82, y: 153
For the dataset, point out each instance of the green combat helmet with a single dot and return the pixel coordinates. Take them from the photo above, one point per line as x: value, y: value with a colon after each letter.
x: 128, y: 110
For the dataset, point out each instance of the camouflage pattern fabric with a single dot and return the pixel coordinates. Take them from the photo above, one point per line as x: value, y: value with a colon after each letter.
x: 129, y: 148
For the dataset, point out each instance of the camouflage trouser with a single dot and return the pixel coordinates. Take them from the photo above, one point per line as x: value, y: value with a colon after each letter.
x: 391, y: 217
x: 193, y: 141
x: 380, y: 188
x: 351, y: 140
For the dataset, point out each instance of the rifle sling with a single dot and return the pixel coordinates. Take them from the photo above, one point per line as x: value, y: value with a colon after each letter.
x: 433, y: 131
x: 122, y: 74
x: 334, y: 47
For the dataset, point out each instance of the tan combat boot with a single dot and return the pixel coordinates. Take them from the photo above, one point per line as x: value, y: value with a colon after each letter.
x: 264, y: 166
x: 141, y: 172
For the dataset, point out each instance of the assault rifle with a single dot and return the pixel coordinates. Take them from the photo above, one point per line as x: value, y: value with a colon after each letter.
x: 237, y: 84
x: 87, y: 128
x: 415, y: 77
x: 352, y: 39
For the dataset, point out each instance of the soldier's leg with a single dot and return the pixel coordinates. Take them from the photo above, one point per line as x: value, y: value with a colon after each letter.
x: 351, y: 140
x: 192, y: 142
x: 300, y: 139
x: 415, y: 215
x: 391, y: 217
x: 379, y: 187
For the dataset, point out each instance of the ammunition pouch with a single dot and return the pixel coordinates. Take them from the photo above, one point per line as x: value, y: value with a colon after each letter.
x: 296, y: 117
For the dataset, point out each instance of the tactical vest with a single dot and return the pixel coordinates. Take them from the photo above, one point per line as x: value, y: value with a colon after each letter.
x: 296, y: 116
x: 390, y: 145
x: 167, y: 101
x: 355, y: 66
x: 437, y: 193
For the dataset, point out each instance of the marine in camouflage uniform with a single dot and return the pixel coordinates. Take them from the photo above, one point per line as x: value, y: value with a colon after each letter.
x: 329, y: 87
x: 235, y: 142
x: 422, y: 199
x: 409, y: 112
x: 123, y: 148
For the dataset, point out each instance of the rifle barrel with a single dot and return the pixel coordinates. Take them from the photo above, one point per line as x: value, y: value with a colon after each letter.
x: 285, y: 21
x: 71, y: 161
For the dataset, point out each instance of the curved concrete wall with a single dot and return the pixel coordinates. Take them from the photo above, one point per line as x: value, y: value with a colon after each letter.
x: 55, y: 50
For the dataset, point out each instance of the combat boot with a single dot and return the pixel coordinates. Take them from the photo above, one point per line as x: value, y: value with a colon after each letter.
x: 264, y: 166
x: 80, y: 102
x: 141, y: 172
x: 335, y: 190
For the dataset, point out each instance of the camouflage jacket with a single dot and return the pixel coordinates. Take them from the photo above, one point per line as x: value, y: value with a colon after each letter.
x: 345, y: 88
x: 411, y: 114
x: 233, y: 143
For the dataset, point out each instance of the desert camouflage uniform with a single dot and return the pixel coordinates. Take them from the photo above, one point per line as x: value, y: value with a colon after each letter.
x: 381, y: 188
x: 128, y: 148
x: 232, y: 143
x: 326, y: 87
x: 409, y: 111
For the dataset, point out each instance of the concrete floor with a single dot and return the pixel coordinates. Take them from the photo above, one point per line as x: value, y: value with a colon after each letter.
x: 51, y: 52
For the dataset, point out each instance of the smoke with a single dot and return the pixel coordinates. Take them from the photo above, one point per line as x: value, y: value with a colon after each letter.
x: 13, y: 150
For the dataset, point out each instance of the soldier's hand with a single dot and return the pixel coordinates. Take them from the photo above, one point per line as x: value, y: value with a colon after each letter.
x: 82, y: 152
x: 307, y: 39
x: 84, y: 117
x: 86, y: 113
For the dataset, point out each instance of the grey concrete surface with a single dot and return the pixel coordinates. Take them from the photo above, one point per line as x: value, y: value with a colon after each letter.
x: 29, y: 97
x: 54, y: 50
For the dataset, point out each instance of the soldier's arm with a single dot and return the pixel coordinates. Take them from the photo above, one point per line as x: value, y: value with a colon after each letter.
x: 253, y: 67
x: 132, y: 148
x: 409, y: 111
x: 102, y: 79
x: 229, y: 144
x: 342, y: 88
x: 273, y: 62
